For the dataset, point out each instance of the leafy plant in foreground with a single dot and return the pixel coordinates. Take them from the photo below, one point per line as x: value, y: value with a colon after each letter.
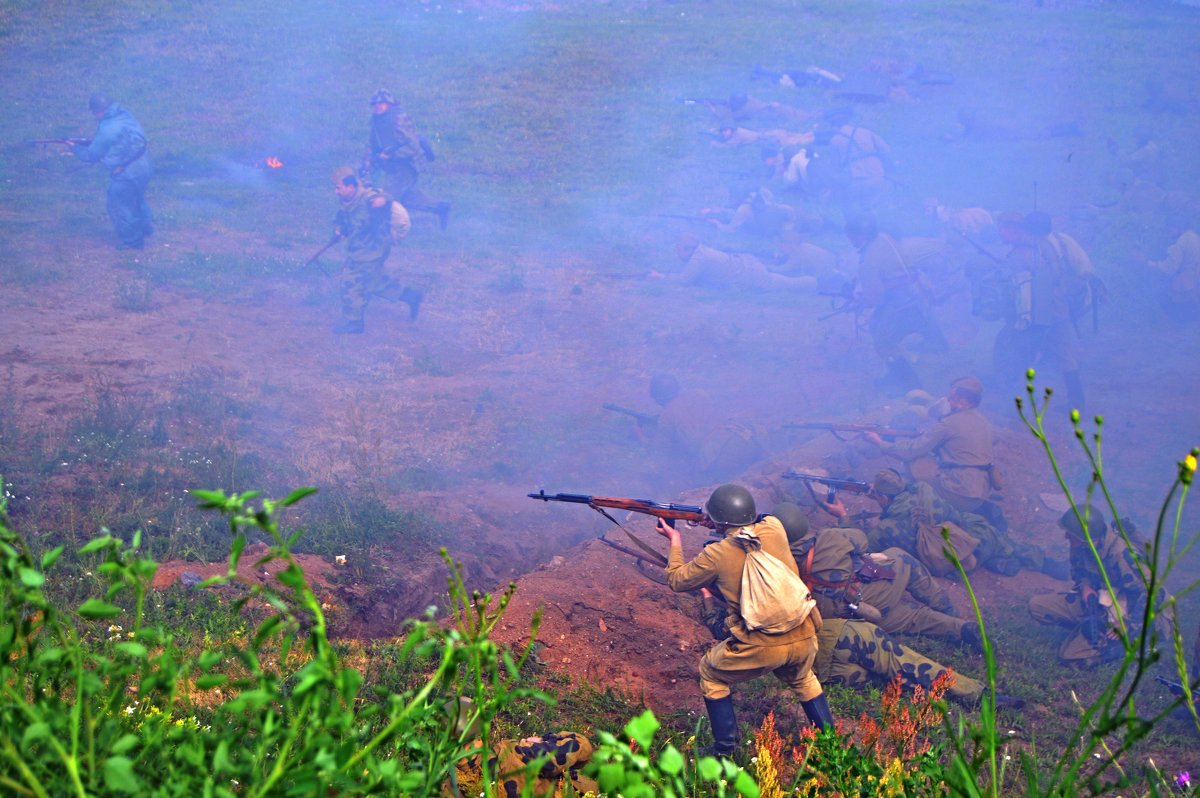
x: 86, y: 710
x: 1107, y: 729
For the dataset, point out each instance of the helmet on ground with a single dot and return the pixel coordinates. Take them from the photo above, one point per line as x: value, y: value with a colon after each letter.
x: 731, y: 505
x: 383, y: 96
x: 794, y: 521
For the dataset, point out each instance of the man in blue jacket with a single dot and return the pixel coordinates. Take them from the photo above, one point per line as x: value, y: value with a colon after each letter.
x: 120, y: 145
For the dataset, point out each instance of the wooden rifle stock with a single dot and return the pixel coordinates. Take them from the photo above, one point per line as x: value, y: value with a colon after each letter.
x: 887, y: 433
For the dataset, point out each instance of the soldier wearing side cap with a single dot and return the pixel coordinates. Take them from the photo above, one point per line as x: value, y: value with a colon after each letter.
x: 393, y: 151
x: 959, y: 446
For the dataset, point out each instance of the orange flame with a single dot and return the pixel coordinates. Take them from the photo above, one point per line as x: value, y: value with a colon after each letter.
x: 274, y: 162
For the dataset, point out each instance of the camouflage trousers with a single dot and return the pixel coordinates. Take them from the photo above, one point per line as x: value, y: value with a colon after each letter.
x: 913, y: 601
x: 852, y: 652
x: 508, y: 766
x: 731, y: 662
x: 1067, y: 609
x: 362, y: 281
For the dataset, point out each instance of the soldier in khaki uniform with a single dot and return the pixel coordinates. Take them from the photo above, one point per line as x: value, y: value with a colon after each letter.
x: 890, y: 588
x: 959, y: 447
x: 1087, y: 609
x: 364, y: 221
x: 706, y: 443
x: 745, y: 654
x: 853, y: 651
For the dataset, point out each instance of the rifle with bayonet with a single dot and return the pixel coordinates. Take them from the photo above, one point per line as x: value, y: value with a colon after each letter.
x: 65, y: 142
x: 668, y: 511
x: 887, y: 433
x: 642, y: 419
x: 832, y: 484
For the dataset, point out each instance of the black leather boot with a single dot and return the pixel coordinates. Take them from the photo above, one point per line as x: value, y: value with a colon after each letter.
x: 818, y: 712
x: 724, y: 725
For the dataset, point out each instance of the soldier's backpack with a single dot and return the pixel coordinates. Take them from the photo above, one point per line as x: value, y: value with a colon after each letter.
x: 1084, y: 290
x: 931, y: 548
x: 774, y: 599
x: 400, y: 223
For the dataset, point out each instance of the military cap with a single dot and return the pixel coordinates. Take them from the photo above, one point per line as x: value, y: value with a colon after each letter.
x: 969, y: 386
x: 383, y: 96
x: 889, y: 482
x: 340, y: 174
x: 1095, y: 521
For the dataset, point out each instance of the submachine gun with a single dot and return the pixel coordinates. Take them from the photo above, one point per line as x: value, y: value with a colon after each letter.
x: 832, y: 484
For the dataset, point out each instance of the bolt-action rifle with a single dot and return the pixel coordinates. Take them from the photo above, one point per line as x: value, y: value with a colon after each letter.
x: 832, y: 484
x: 67, y: 142
x: 887, y: 433
x: 642, y: 419
x: 668, y: 511
x: 336, y: 238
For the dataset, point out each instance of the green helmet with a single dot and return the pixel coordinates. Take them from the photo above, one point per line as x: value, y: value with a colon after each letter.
x: 731, y: 505
x: 794, y: 521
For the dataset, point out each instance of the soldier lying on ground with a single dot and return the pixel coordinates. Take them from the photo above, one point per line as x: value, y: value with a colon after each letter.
x: 891, y: 588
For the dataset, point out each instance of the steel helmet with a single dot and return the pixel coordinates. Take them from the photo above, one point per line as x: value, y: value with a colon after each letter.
x: 794, y: 521
x: 382, y: 96
x: 731, y: 505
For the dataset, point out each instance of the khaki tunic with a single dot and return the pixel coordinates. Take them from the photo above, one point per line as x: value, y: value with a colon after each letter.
x: 904, y: 601
x: 746, y: 654
x: 1182, y: 265
x: 961, y: 444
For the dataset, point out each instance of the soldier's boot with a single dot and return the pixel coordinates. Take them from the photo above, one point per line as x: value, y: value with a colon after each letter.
x: 1074, y: 390
x: 724, y: 725
x: 412, y: 297
x: 971, y: 637
x: 818, y: 712
x: 442, y: 209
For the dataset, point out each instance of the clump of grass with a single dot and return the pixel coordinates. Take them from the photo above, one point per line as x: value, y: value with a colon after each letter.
x: 133, y: 295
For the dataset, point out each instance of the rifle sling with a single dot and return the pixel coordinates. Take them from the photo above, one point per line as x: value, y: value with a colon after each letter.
x: 650, y: 551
